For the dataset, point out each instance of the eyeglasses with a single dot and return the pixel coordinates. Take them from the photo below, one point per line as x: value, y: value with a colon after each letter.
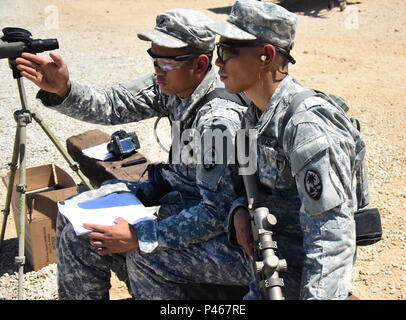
x: 228, y: 50
x: 168, y: 63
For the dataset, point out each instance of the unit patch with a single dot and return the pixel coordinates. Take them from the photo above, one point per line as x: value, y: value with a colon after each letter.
x: 313, y: 185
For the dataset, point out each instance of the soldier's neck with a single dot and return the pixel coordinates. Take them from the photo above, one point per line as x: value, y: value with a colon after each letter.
x: 261, y: 93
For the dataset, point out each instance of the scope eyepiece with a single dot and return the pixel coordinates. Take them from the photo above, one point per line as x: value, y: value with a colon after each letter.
x: 16, y: 35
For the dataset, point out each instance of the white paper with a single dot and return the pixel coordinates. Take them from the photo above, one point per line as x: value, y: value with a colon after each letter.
x: 104, y: 211
x: 98, y: 152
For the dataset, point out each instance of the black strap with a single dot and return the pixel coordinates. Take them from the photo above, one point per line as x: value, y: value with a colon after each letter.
x: 297, y: 99
x: 222, y: 93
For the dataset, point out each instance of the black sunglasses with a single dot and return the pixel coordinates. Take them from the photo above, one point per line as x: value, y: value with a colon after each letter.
x: 228, y: 50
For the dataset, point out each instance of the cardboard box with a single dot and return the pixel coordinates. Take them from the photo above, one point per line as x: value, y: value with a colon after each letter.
x: 46, y: 185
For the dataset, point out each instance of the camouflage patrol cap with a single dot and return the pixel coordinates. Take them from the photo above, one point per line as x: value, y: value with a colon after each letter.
x: 257, y: 20
x: 179, y: 28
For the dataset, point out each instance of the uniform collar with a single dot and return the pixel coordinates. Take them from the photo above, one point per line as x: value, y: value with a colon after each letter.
x: 208, y: 84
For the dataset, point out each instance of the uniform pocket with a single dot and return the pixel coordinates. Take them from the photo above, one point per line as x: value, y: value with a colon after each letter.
x: 267, y: 166
x: 303, y: 154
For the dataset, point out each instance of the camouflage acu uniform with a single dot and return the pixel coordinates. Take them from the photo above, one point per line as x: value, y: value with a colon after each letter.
x: 308, y: 183
x: 187, y: 243
x: 315, y: 231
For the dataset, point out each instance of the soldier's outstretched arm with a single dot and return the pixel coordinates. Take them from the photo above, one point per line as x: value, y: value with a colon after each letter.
x: 134, y: 101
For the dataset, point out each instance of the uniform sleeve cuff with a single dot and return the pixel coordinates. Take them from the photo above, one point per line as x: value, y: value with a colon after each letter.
x: 147, y: 235
x: 50, y: 99
x: 240, y: 202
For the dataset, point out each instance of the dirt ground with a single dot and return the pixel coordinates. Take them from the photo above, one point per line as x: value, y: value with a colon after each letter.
x: 358, y: 54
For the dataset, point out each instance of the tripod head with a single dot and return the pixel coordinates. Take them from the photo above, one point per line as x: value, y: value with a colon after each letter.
x: 15, y: 41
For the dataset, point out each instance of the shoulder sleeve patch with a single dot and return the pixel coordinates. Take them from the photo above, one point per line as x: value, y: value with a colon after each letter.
x: 217, y: 151
x: 319, y: 188
x: 313, y: 184
x: 209, y: 176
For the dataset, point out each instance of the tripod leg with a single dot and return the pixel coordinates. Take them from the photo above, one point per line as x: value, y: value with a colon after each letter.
x: 13, y: 168
x: 73, y: 165
x: 22, y: 120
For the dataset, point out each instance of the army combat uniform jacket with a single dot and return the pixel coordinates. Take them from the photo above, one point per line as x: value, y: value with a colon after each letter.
x: 206, y: 190
x: 191, y: 216
x: 309, y: 185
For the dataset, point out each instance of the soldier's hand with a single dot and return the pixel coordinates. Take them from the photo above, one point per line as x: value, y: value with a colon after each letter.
x: 243, y: 231
x: 121, y: 237
x: 49, y: 75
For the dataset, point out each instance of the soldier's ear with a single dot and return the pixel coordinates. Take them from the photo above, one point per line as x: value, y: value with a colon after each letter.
x: 268, y: 54
x: 202, y: 63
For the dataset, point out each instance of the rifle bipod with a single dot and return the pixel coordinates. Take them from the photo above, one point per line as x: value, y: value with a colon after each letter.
x: 266, y: 264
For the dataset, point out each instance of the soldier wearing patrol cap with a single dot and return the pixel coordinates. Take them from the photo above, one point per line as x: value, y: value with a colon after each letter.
x: 187, y: 243
x: 306, y: 171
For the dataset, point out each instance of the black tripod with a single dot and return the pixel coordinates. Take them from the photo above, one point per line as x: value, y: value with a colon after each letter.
x: 23, y: 117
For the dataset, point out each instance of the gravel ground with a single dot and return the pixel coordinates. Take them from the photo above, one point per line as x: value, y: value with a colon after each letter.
x: 329, y: 58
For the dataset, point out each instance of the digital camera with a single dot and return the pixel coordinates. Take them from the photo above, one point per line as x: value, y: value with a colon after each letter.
x: 123, y: 144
